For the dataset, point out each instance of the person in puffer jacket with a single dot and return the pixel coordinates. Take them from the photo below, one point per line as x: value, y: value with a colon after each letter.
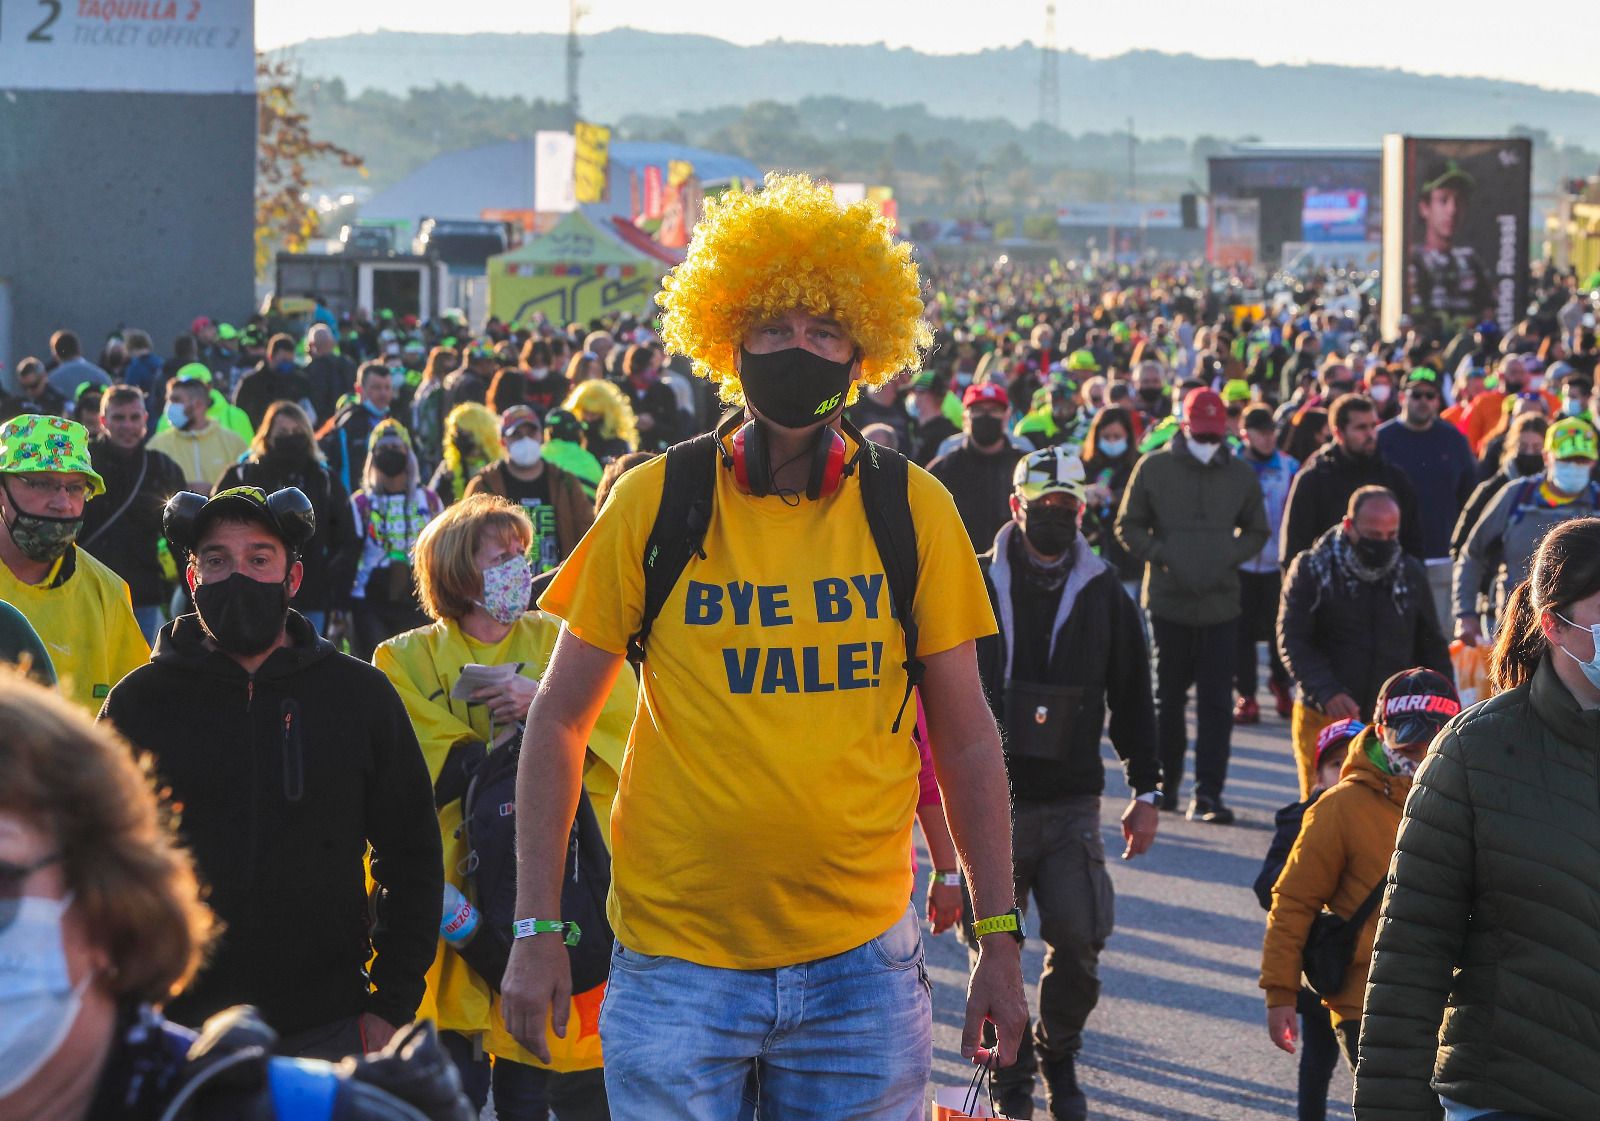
x: 1484, y: 998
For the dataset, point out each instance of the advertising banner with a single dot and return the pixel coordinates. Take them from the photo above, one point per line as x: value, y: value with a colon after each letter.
x: 1334, y: 216
x: 1455, y: 232
x: 131, y: 46
x: 1235, y: 234
x: 593, y: 160
x: 554, y: 171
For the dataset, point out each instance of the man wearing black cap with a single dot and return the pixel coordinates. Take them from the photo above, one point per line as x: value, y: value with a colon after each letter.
x: 290, y: 760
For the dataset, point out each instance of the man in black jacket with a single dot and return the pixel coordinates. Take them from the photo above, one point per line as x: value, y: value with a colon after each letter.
x: 330, y: 374
x: 1070, y: 644
x: 977, y: 473
x: 124, y: 530
x: 289, y: 759
x: 275, y: 378
x: 1322, y: 489
x: 1355, y: 610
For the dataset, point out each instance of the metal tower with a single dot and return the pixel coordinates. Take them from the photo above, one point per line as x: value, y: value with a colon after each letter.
x: 1049, y: 77
x: 574, y: 53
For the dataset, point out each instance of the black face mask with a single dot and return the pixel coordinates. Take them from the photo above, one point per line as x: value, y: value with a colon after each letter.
x: 391, y: 461
x: 1151, y: 395
x: 1051, y: 529
x: 243, y: 616
x: 1376, y: 554
x: 987, y: 430
x: 294, y: 447
x: 793, y: 388
x: 1530, y: 463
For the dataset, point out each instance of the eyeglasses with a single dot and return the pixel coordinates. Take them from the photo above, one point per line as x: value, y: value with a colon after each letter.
x: 1422, y: 395
x: 12, y: 877
x: 48, y: 486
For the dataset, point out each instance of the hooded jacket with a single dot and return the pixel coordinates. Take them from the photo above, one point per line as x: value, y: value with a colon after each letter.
x: 1484, y: 987
x: 284, y: 777
x: 1342, y: 853
x: 1192, y: 524
x: 123, y: 526
x: 1097, y: 644
x: 573, y: 508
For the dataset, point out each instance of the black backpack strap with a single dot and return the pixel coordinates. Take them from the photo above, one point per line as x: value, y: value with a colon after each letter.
x: 679, y: 532
x: 885, y: 494
x: 1369, y: 904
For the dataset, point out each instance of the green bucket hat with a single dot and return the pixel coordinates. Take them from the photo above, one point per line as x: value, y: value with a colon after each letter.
x: 31, y: 442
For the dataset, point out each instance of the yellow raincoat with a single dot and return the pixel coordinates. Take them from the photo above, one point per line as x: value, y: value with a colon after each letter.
x: 423, y: 665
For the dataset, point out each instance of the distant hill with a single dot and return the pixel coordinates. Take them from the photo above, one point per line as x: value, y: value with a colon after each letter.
x: 626, y: 72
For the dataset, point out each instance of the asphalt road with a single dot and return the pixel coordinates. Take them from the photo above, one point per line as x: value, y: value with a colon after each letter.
x: 1180, y: 1031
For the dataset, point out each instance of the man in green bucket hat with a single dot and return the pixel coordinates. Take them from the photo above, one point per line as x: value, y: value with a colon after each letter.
x: 80, y: 608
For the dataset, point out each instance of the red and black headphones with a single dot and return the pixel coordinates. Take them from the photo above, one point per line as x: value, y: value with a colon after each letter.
x: 748, y: 456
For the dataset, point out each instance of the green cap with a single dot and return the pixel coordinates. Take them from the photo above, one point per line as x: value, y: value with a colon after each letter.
x: 927, y: 380
x: 1235, y: 391
x: 1573, y: 438
x: 194, y: 371
x: 1082, y: 361
x: 227, y: 331
x: 1449, y: 174
x: 31, y: 442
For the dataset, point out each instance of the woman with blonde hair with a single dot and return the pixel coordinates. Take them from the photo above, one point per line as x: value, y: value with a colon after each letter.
x: 284, y: 454
x: 609, y: 425
x: 475, y: 583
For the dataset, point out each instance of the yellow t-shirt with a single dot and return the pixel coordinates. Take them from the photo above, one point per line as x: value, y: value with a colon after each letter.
x: 86, y: 623
x: 764, y: 812
x: 423, y: 665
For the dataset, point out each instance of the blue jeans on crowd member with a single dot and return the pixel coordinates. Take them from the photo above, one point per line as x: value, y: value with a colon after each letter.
x: 845, y: 1036
x: 150, y: 620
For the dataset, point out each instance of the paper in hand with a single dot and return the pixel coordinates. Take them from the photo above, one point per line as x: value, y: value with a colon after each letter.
x: 475, y: 677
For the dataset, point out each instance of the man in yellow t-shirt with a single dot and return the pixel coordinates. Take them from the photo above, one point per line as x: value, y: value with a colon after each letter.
x: 81, y: 609
x: 762, y: 828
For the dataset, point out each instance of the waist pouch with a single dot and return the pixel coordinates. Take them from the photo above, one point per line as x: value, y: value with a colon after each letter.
x: 1037, y: 717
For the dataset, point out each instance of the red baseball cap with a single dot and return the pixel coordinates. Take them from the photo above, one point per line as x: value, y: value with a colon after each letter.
x: 1204, y: 414
x: 989, y: 393
x: 201, y: 322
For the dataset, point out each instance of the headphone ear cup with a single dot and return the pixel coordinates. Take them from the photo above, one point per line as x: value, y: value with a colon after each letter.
x: 750, y: 464
x: 827, y: 464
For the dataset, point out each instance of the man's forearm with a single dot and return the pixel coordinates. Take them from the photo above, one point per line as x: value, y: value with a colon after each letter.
x: 977, y: 805
x: 549, y: 784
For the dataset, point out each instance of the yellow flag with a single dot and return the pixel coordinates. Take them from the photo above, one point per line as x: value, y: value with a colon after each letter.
x: 679, y: 172
x: 592, y: 167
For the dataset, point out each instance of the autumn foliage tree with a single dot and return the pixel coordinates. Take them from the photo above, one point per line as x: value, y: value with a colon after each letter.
x: 286, y: 149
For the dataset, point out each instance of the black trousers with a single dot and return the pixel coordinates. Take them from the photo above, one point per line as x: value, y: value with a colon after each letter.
x: 1202, y: 657
x: 1258, y: 622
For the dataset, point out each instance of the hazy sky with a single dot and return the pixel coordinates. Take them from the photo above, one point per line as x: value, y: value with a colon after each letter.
x: 1471, y: 37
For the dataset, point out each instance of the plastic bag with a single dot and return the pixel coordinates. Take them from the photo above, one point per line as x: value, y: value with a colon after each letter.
x: 1471, y: 664
x: 959, y: 1103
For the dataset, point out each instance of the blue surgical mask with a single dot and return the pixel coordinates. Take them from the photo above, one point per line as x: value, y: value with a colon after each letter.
x: 1572, y: 406
x: 1569, y: 477
x: 176, y: 415
x: 1112, y: 448
x: 285, y: 366
x: 1591, y: 668
x: 38, y: 1002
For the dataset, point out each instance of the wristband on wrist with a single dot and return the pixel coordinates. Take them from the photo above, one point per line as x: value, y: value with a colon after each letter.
x: 942, y: 878
x: 527, y: 928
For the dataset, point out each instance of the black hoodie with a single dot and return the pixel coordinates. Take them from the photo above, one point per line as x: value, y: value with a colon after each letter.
x: 282, y: 779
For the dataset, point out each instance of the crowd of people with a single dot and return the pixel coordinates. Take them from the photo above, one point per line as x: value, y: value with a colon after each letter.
x: 326, y: 585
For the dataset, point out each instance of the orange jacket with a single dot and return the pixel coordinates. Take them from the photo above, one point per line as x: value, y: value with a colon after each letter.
x: 1343, y: 851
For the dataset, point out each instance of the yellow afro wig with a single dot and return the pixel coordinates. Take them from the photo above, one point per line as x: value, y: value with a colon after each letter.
x: 791, y: 245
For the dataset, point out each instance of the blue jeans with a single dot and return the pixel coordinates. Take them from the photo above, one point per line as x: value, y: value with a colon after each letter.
x: 850, y: 1036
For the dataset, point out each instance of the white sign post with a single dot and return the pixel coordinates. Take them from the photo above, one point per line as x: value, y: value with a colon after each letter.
x: 131, y: 46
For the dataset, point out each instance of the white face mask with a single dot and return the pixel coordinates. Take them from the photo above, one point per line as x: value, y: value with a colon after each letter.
x: 525, y: 452
x: 1591, y: 668
x: 1379, y: 393
x: 38, y: 1002
x: 1203, y: 452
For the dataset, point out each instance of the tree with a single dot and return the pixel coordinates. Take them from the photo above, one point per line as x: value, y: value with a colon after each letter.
x: 285, y: 149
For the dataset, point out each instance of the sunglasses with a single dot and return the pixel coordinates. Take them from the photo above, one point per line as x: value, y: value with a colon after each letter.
x: 1423, y: 395
x: 12, y: 877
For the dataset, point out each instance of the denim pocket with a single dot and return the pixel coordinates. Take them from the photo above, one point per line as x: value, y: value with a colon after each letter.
x: 900, y: 947
x: 624, y: 958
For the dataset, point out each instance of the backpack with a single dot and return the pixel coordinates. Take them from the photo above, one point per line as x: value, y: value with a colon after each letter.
x: 1331, y: 945
x: 684, y: 517
x: 489, y: 823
